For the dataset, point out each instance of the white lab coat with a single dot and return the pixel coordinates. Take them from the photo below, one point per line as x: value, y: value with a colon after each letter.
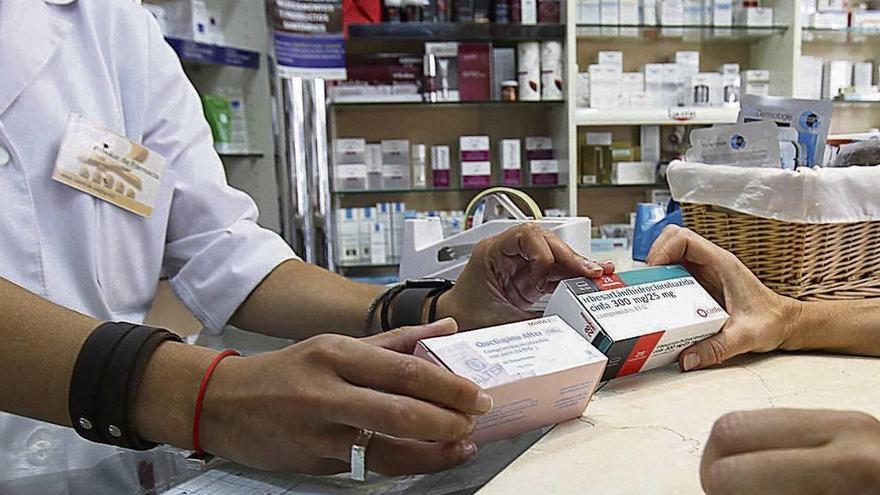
x: 107, y: 60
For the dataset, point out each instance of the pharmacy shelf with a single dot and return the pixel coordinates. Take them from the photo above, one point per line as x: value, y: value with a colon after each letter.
x: 847, y: 35
x: 242, y: 154
x: 455, y: 31
x: 420, y: 105
x: 874, y: 105
x: 202, y: 53
x: 593, y: 32
x: 586, y: 117
x: 659, y: 185
x: 473, y: 190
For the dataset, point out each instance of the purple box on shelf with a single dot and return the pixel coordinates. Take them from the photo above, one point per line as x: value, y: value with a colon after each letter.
x: 476, y: 167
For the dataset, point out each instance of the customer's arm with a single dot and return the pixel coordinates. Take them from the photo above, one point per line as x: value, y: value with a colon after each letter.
x: 762, y: 320
x: 297, y: 409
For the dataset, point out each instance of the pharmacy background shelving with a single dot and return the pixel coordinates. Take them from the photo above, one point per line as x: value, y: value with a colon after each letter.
x: 244, y: 59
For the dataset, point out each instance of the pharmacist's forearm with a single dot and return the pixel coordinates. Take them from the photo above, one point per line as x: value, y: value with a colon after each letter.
x: 848, y: 327
x: 41, y: 342
x: 298, y: 300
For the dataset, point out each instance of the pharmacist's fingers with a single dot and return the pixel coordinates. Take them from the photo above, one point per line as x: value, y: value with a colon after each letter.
x: 409, y: 376
x: 400, y: 416
x: 729, y: 342
x: 795, y: 471
x: 568, y: 263
x: 404, y: 339
x: 391, y: 456
x: 741, y: 432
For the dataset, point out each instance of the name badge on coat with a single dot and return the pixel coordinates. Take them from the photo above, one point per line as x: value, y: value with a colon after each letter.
x: 109, y: 166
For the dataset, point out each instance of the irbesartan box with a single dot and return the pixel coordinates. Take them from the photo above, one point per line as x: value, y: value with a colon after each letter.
x: 641, y: 319
x: 538, y: 372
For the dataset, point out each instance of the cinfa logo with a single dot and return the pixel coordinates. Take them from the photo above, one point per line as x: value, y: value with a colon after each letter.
x: 738, y: 142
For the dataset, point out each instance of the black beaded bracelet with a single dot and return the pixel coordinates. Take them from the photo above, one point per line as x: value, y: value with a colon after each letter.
x: 105, y: 379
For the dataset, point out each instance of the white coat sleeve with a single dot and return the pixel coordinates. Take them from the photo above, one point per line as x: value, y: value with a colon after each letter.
x: 215, y: 253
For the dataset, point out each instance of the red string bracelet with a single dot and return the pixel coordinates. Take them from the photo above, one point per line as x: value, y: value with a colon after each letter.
x: 197, y: 416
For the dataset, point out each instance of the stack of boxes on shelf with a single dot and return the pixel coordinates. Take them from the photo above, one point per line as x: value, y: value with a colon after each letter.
x: 455, y: 71
x: 478, y: 11
x: 837, y: 79
x: 717, y: 13
x: 374, y: 235
x: 395, y: 164
x: 840, y: 14
x: 604, y: 161
x: 666, y: 85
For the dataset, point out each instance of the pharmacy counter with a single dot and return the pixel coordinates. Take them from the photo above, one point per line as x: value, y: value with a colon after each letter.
x: 645, y: 433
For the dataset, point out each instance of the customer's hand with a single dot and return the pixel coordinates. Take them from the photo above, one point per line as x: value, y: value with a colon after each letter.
x: 792, y: 451
x: 760, y: 319
x: 299, y: 409
x: 508, y: 272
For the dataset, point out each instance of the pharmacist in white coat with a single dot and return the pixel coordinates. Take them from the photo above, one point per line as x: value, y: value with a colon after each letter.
x: 80, y: 79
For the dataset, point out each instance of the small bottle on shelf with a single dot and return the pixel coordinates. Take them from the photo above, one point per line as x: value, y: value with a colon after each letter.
x: 419, y: 174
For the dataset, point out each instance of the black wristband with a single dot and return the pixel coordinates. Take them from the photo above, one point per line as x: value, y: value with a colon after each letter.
x: 134, y: 441
x: 408, y: 300
x: 85, y: 381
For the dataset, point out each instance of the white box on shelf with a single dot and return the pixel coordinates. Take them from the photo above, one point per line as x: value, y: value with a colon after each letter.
x: 648, y: 12
x: 398, y: 214
x: 395, y: 164
x: 671, y: 12
x: 583, y: 90
x: 838, y: 75
x: 611, y: 59
x: 378, y: 249
x: 693, y: 12
x: 476, y: 167
x: 366, y: 218
x: 863, y: 75
x: 609, y: 12
x: 688, y: 63
x: 868, y: 20
x: 529, y: 12
x: 706, y: 89
x: 350, y: 167
x: 654, y: 83
x: 384, y: 218
x: 589, y: 12
x: 348, y: 235
x: 629, y: 12
x: 189, y: 19
x: 673, y: 86
x: 809, y: 81
x: 756, y: 82
x: 640, y: 100
x: 632, y: 82
x: 754, y: 17
x: 830, y: 20
x: 722, y: 13
x: 604, y: 86
x: 624, y: 173
x: 373, y: 156
x: 511, y: 162
x: 650, y: 143
x: 551, y: 70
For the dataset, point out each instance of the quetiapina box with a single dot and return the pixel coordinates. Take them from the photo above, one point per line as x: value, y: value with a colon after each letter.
x: 640, y: 319
x: 538, y: 372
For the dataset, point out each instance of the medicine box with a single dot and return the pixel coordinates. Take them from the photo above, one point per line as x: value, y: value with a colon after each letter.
x: 350, y: 171
x: 641, y: 319
x: 538, y: 372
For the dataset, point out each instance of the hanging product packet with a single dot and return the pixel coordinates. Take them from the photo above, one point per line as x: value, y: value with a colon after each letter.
x: 811, y: 119
x: 744, y: 145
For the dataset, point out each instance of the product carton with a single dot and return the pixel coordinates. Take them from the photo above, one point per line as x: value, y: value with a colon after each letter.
x: 537, y: 372
x: 641, y: 319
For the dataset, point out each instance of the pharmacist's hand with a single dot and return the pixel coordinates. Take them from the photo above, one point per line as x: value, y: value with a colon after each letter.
x: 299, y: 409
x: 760, y: 319
x: 792, y: 451
x: 508, y: 272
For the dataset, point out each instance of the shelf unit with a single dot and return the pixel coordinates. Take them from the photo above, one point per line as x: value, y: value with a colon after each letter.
x: 239, y: 63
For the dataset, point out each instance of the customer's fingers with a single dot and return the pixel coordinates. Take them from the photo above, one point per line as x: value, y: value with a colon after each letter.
x: 729, y: 342
x: 679, y: 245
x: 748, y: 431
x: 778, y: 472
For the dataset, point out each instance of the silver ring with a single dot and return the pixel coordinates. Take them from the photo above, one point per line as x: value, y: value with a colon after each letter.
x: 359, y: 454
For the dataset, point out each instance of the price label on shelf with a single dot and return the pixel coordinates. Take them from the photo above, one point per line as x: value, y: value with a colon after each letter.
x: 682, y: 114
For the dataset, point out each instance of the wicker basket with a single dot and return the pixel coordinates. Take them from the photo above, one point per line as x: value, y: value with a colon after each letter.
x: 807, y: 261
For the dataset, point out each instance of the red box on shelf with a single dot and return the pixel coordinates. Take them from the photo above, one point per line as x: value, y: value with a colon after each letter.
x: 474, y: 62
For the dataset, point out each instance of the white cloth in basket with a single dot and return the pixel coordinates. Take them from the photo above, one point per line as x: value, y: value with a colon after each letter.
x: 822, y: 195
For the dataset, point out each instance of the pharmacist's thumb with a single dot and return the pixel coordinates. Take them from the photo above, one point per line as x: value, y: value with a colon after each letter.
x: 714, y: 350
